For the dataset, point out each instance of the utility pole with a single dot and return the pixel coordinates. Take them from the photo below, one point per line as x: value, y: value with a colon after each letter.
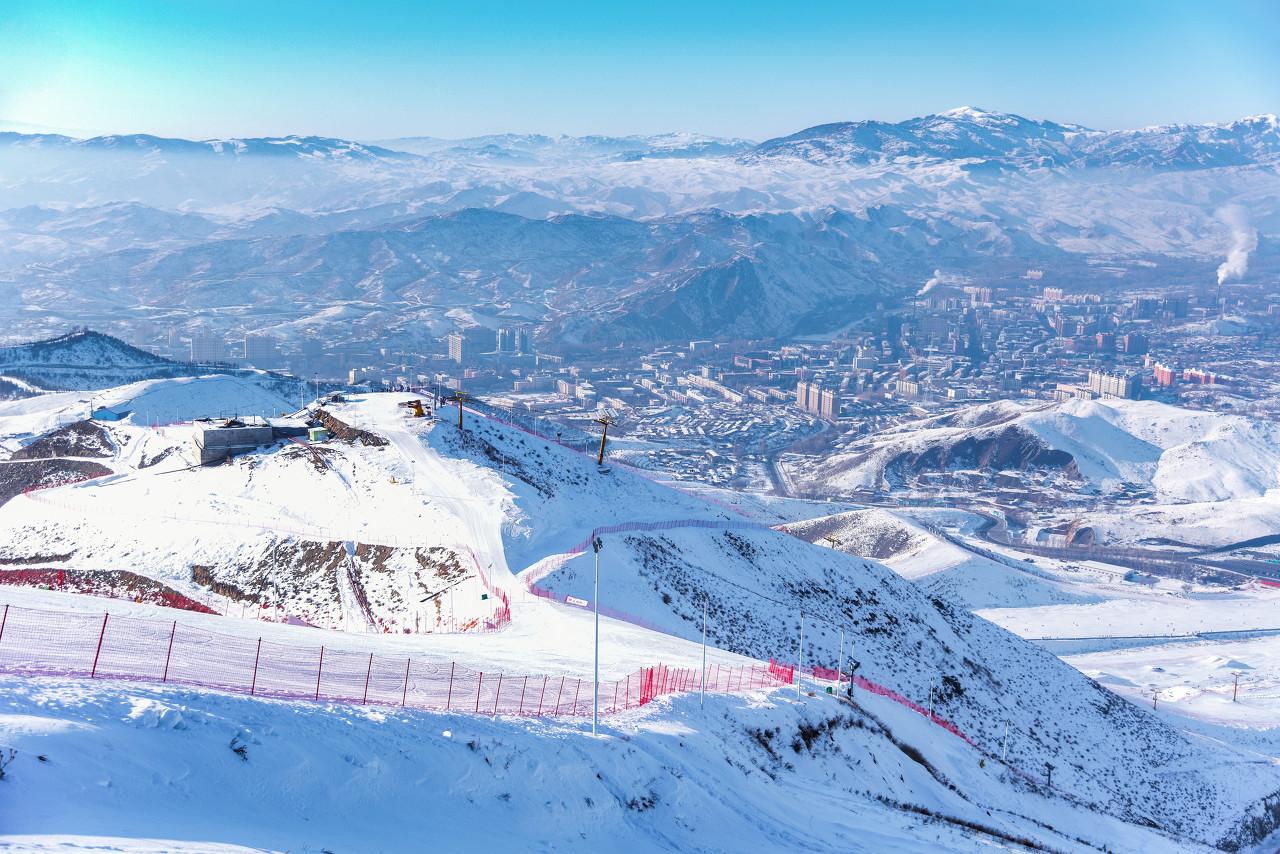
x: 840, y: 662
x: 1048, y: 767
x: 1004, y: 743
x: 800, y: 657
x: 702, y: 685
x: 596, y: 545
x: 1235, y: 687
x: 604, y: 422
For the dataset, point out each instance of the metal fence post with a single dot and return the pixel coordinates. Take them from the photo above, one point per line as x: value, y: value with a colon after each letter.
x: 253, y: 686
x: 367, y: 674
x: 319, y: 670
x: 4, y: 620
x: 497, y: 698
x: 479, y: 682
x: 448, y: 698
x: 405, y: 695
x: 94, y: 671
x: 169, y: 654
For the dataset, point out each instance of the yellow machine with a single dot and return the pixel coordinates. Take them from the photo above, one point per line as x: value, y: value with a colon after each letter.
x: 417, y: 409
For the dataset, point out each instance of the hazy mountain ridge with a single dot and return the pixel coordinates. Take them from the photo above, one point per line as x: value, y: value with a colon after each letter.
x: 677, y: 227
x: 588, y: 278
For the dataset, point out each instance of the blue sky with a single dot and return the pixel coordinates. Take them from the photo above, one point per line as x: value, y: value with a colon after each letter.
x: 752, y: 69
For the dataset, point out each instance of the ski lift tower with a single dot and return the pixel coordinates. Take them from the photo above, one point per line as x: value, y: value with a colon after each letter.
x: 459, y: 398
x: 604, y: 422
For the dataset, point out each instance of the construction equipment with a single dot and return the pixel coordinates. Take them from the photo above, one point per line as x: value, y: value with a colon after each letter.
x: 416, y: 406
x: 604, y: 422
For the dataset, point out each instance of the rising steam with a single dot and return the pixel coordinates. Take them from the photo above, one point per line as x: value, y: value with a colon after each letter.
x: 1244, y: 239
x: 934, y: 281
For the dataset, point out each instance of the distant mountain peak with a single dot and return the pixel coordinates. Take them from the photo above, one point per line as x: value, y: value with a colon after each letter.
x: 979, y: 135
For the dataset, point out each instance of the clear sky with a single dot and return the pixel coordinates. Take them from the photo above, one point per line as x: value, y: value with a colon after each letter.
x: 753, y: 69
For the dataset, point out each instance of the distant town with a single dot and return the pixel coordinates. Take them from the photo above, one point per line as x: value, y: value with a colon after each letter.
x: 722, y: 411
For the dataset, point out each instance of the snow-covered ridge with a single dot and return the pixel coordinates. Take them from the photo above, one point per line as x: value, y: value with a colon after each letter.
x: 964, y: 133
x: 146, y: 144
x: 968, y: 133
x: 1180, y: 454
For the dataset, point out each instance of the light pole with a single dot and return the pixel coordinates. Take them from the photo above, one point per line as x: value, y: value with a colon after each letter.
x: 800, y: 662
x: 840, y: 662
x: 596, y: 545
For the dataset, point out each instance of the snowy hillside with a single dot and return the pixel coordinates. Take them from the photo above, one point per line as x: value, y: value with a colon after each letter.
x: 120, y: 767
x: 938, y: 566
x: 439, y: 521
x: 1099, y: 446
x: 91, y: 360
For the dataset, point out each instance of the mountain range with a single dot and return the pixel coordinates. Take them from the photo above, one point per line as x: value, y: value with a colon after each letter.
x: 641, y: 239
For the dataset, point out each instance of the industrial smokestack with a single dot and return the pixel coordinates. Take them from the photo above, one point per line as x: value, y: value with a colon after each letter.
x: 1244, y: 239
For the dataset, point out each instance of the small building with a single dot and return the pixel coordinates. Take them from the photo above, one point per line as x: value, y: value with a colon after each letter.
x: 217, y: 440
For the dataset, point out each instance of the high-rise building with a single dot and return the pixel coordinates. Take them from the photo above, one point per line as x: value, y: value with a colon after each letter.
x: 466, y: 343
x: 260, y: 350
x: 905, y: 388
x: 1134, y: 343
x: 207, y: 347
x: 828, y: 403
x: 1119, y: 384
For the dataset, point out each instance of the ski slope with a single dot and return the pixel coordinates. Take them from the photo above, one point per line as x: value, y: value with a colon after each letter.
x: 273, y: 522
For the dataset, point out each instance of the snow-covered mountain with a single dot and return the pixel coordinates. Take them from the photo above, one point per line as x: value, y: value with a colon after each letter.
x: 970, y: 134
x: 146, y: 145
x: 965, y: 133
x: 1104, y: 446
x: 529, y: 149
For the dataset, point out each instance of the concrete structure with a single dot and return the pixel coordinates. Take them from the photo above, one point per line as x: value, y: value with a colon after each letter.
x: 217, y: 440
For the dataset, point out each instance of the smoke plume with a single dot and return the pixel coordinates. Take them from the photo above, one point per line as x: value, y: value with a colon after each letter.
x: 1244, y: 239
x: 933, y: 282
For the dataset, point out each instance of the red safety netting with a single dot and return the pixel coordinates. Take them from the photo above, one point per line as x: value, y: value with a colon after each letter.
x: 38, y: 642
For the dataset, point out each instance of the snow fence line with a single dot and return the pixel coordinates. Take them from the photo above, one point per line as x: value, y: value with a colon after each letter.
x: 36, y: 642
